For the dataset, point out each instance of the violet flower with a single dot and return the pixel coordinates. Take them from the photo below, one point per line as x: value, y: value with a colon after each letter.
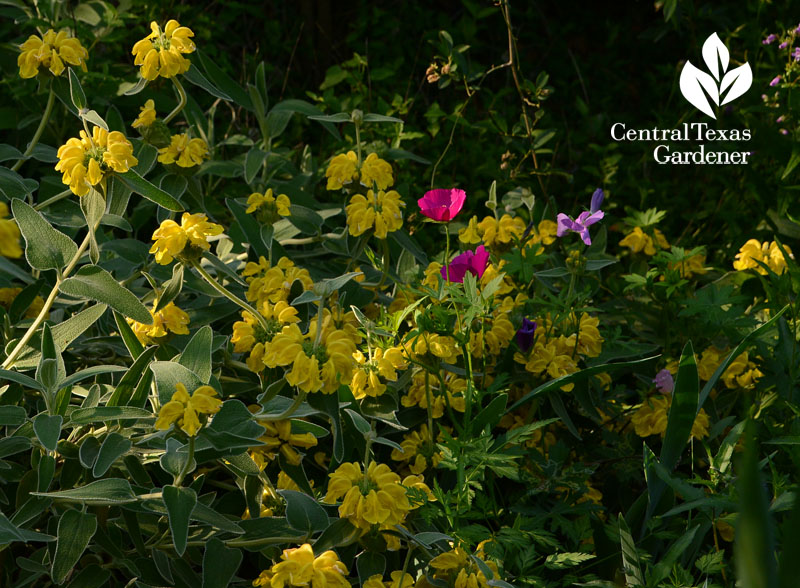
x: 581, y: 224
x: 775, y: 81
x: 525, y: 335
x: 783, y: 45
x: 664, y: 382
x: 769, y: 40
x: 475, y: 263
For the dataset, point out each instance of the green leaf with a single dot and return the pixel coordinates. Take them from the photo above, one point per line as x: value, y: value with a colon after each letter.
x: 631, y: 565
x: 308, y: 109
x: 133, y: 89
x: 48, y: 429
x: 76, y: 91
x: 13, y: 185
x: 173, y: 461
x: 222, y: 80
x: 249, y: 226
x: 13, y: 445
x: 180, y: 503
x: 111, y: 491
x: 95, y: 283
x: 88, y: 452
x: 253, y: 162
x: 12, y: 416
x: 45, y: 247
x: 684, y: 409
x: 75, y: 530
x: 124, y: 390
x: 144, y: 188
x: 194, y: 76
x: 370, y: 563
x: 560, y: 561
x: 90, y: 373
x: 303, y: 512
x: 98, y: 414
x: 50, y: 371
x: 219, y: 564
x: 360, y: 422
x: 196, y: 357
x: 174, y: 185
x: 339, y: 533
x: 754, y: 552
x: 329, y: 404
x: 135, y: 348
x: 380, y: 118
x: 93, y: 117
x: 9, y: 533
x: 339, y: 117
x: 114, y: 447
x: 21, y: 379
x: 168, y: 374
x: 93, y: 207
x: 45, y: 471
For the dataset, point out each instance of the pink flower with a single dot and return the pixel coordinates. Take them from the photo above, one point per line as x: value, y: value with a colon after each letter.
x: 443, y: 204
x: 580, y: 225
x: 664, y: 381
x: 475, y: 263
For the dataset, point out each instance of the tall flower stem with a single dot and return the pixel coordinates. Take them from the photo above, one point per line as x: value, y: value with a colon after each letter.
x: 429, y: 400
x: 447, y: 252
x: 228, y: 294
x: 186, y: 468
x: 301, y: 396
x: 40, y: 129
x: 9, y: 361
x: 181, y: 104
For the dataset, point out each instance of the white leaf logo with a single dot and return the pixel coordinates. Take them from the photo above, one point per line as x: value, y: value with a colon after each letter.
x: 698, y: 86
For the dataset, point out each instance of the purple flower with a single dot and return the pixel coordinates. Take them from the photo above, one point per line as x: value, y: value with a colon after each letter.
x: 796, y: 54
x: 525, y: 335
x: 776, y: 80
x: 797, y: 30
x: 580, y: 225
x: 597, y: 200
x: 784, y: 132
x: 769, y: 40
x: 780, y: 119
x: 783, y: 45
x: 475, y: 263
x: 664, y: 382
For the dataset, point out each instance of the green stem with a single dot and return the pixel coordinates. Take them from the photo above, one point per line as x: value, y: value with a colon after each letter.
x: 320, y: 308
x: 358, y: 142
x: 9, y: 361
x: 301, y: 396
x: 368, y: 449
x: 186, y: 468
x: 53, y: 199
x: 447, y: 253
x: 181, y: 104
x: 228, y: 294
x: 429, y: 400
x: 385, y: 268
x: 38, y: 134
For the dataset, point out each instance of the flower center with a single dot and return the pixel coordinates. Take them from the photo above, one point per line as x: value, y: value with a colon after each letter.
x: 319, y: 352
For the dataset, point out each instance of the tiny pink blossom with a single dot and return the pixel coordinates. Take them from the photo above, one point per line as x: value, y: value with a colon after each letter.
x: 475, y: 263
x: 664, y: 381
x: 442, y: 204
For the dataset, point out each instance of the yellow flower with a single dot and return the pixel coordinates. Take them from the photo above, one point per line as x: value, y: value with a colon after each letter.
x: 171, y: 238
x: 184, y: 151
x: 366, y: 376
x: 376, y: 170
x: 161, y: 53
x: 147, y: 116
x: 652, y: 416
x: 470, y: 234
x: 9, y: 235
x: 273, y: 283
x: 86, y: 161
x: 342, y: 169
x: 709, y: 362
x: 169, y: 319
x: 249, y: 334
x: 313, y: 368
x: 501, y: 233
x: 377, y: 499
x: 381, y: 211
x: 417, y: 394
x: 637, y: 240
x: 299, y: 567
x: 418, y: 451
x: 278, y: 438
x: 7, y: 295
x: 494, y: 337
x: 690, y: 266
x: 458, y: 569
x: 280, y: 204
x: 546, y: 232
x: 50, y: 51
x: 553, y: 358
x: 741, y: 373
x: 183, y: 408
x: 768, y: 253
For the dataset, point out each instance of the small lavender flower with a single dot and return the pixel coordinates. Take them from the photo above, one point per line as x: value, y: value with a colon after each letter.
x: 796, y: 54
x: 525, y: 335
x: 664, y: 382
x: 783, y: 45
x: 784, y: 132
x: 597, y: 200
x: 770, y: 39
x: 775, y: 81
x: 780, y: 119
x: 797, y: 30
x: 581, y: 224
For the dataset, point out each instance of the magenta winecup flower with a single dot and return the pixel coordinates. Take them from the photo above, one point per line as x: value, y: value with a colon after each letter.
x: 475, y: 263
x: 442, y: 204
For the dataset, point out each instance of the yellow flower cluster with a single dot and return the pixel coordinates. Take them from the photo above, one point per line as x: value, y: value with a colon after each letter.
x: 273, y: 283
x: 651, y: 418
x: 7, y: 295
x: 741, y: 373
x: 50, y: 51
x: 495, y: 334
x: 637, y: 241
x: 161, y: 53
x: 171, y: 238
x: 767, y: 253
x: 183, y: 151
x: 496, y: 234
x: 278, y: 438
x: 381, y: 210
x: 379, y: 498
x: 147, y: 115
x: 417, y: 394
x: 85, y: 161
x: 277, y: 206
x: 169, y: 319
x: 399, y: 580
x: 250, y: 336
x: 418, y: 450
x: 299, y: 567
x: 183, y: 408
x: 368, y: 371
x: 314, y: 368
x: 343, y: 169
x: 9, y: 235
x: 458, y: 569
x: 694, y: 265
